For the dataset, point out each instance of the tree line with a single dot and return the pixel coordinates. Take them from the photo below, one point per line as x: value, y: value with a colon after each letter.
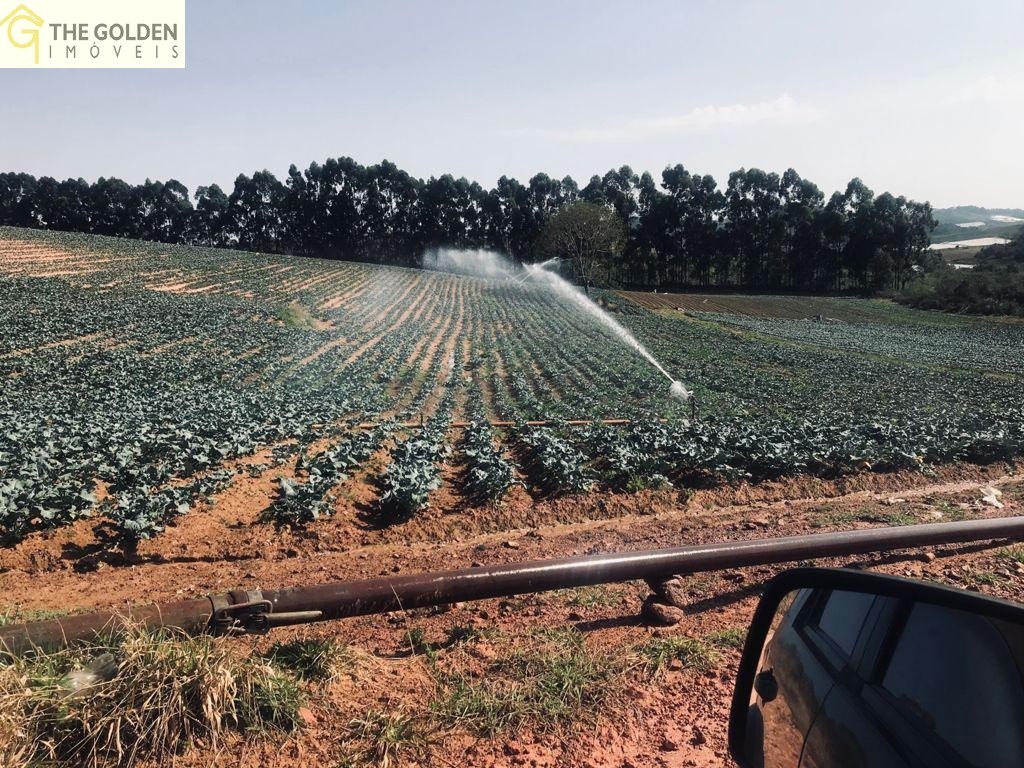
x: 763, y: 231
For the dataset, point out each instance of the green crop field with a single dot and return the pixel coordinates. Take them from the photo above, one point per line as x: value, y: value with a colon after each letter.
x: 133, y: 375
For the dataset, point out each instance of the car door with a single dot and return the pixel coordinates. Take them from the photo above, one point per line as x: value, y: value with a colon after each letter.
x: 840, y: 631
x: 814, y: 643
x: 902, y: 704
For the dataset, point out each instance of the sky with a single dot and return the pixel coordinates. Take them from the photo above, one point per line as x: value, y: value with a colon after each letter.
x: 923, y: 98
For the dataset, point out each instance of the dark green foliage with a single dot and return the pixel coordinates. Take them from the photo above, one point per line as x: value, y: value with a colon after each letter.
x: 88, y: 398
x: 302, y: 501
x: 489, y: 474
x: 142, y: 512
x: 415, y: 469
x: 123, y: 390
x: 763, y: 231
x: 554, y: 464
x: 994, y: 287
x: 737, y: 449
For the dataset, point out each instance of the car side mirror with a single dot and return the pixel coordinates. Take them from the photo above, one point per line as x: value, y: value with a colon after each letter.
x: 852, y: 669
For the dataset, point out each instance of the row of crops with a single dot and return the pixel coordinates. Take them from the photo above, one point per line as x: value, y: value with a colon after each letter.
x: 135, y: 378
x: 560, y: 460
x: 983, y: 346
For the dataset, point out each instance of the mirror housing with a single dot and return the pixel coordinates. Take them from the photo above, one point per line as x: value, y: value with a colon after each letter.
x: 780, y: 689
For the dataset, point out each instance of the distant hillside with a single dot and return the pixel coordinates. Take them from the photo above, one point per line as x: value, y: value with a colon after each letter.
x: 966, y: 221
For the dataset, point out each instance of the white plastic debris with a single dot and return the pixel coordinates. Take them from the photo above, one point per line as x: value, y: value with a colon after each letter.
x: 100, y: 670
x: 990, y: 495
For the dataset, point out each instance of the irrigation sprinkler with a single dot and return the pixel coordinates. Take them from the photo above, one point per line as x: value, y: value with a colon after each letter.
x: 257, y: 611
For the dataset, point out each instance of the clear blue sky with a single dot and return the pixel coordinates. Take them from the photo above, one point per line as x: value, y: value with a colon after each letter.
x: 920, y: 97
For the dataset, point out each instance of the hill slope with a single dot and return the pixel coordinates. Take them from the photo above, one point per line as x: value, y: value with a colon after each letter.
x: 135, y: 376
x: 968, y: 221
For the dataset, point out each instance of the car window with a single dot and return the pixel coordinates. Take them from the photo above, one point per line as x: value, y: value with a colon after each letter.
x: 842, y: 617
x: 940, y: 665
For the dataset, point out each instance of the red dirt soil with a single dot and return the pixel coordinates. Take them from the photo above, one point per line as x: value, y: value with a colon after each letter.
x: 677, y: 718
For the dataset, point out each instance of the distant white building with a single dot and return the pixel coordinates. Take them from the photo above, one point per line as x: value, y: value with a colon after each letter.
x: 976, y: 242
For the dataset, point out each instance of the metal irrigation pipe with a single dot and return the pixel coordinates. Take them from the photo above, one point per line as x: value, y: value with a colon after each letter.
x: 464, y: 424
x: 257, y: 611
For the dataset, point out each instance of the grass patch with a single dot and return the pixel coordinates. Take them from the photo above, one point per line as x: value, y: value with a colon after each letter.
x: 835, y: 517
x: 1015, y: 554
x: 320, y: 660
x: 692, y: 652
x: 866, y: 515
x: 416, y: 640
x: 556, y: 682
x: 462, y: 634
x: 952, y: 512
x: 589, y: 597
x: 733, y: 637
x: 891, y: 518
x: 383, y: 738
x: 154, y: 695
x: 697, y: 653
x: 636, y: 483
x: 978, y: 579
x: 295, y: 315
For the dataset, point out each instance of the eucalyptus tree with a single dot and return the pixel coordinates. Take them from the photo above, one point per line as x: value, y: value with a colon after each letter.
x: 209, y: 218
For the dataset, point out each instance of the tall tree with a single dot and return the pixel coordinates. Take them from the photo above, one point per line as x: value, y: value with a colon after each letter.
x: 588, y: 236
x: 113, y: 208
x: 649, y: 249
x: 388, y: 230
x: 163, y: 210
x: 801, y: 249
x: 254, y: 211
x: 861, y: 247
x: 210, y: 225
x: 17, y: 197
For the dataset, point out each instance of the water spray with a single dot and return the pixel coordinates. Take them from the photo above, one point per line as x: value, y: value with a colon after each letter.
x: 567, y: 290
x: 679, y: 391
x: 488, y: 264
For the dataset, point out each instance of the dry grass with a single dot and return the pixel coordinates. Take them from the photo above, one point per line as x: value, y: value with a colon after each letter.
x: 156, y: 694
x: 296, y: 315
x: 383, y: 738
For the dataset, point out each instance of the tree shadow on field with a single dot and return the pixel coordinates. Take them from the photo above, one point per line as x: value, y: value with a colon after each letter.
x: 89, y: 557
x: 374, y: 517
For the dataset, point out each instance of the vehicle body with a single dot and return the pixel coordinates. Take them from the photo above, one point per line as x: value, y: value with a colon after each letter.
x: 853, y: 670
